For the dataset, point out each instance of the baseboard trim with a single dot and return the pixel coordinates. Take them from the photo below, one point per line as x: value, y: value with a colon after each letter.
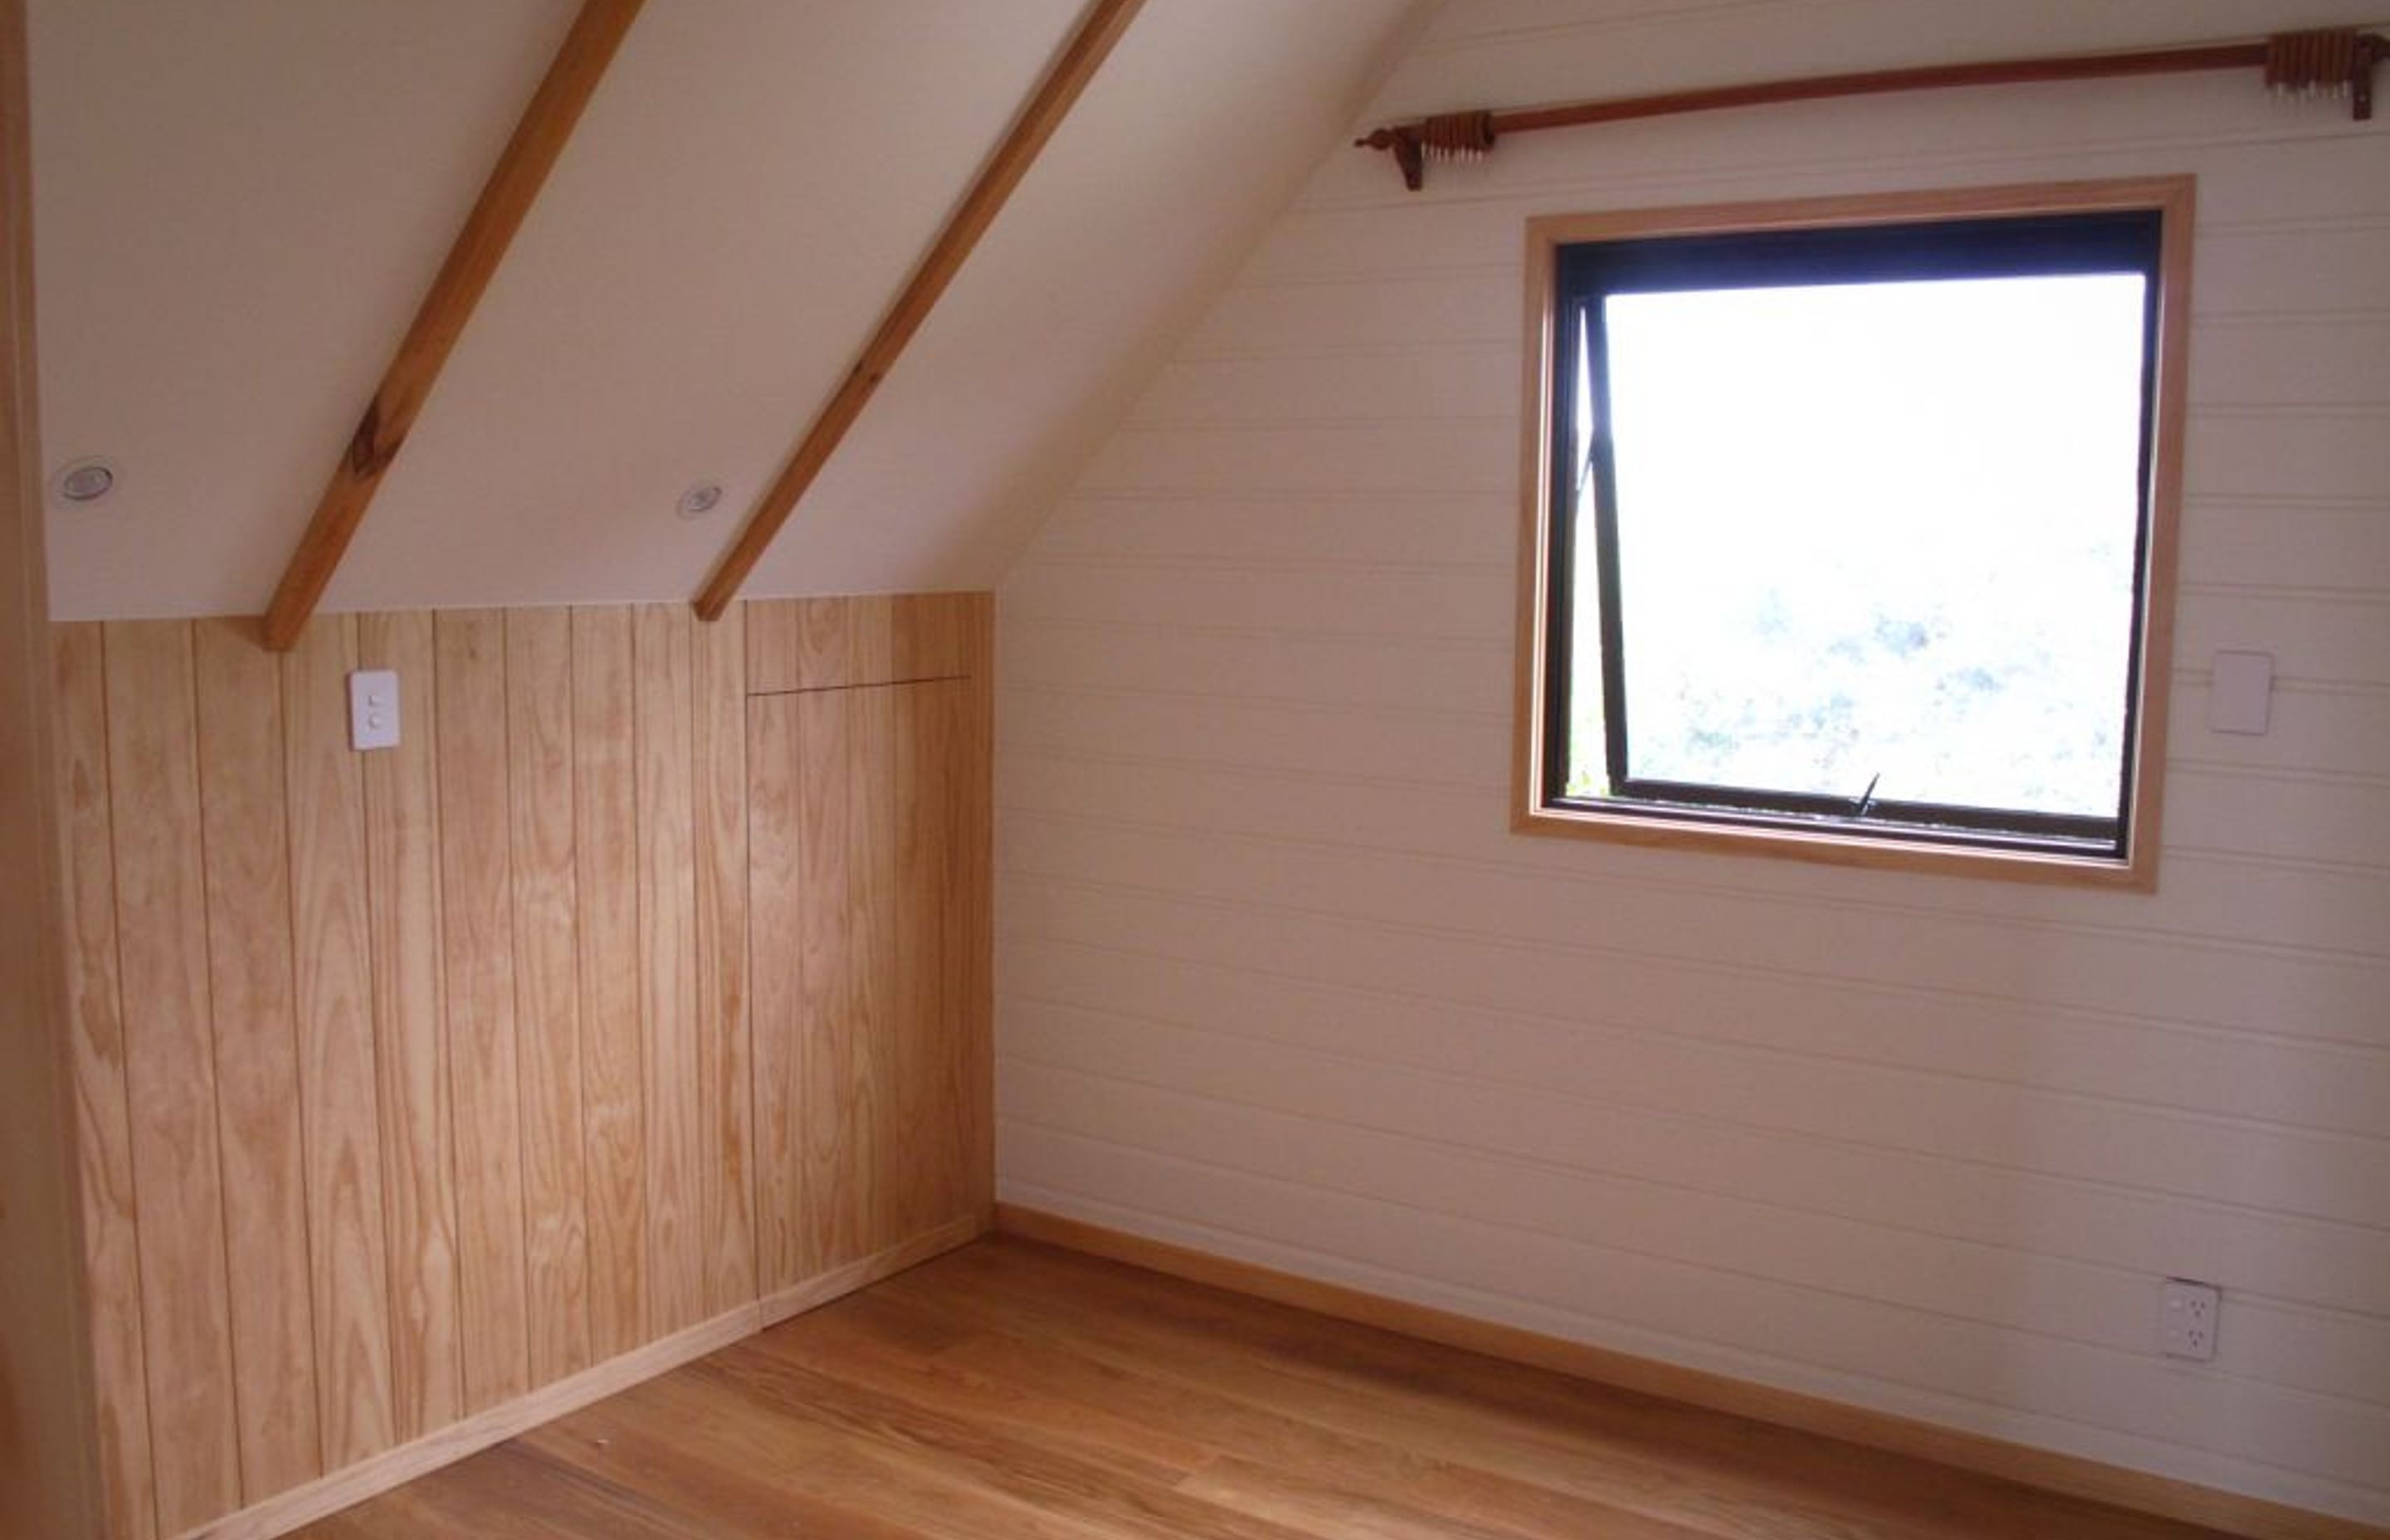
x: 280, y: 1514
x: 820, y: 1290
x: 2071, y: 1475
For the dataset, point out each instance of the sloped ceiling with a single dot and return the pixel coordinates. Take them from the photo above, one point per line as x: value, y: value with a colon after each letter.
x: 239, y: 204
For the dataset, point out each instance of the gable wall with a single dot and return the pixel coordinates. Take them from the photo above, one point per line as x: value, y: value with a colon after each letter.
x: 1276, y: 982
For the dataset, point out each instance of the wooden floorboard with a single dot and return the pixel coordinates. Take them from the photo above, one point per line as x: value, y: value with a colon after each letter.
x: 1011, y: 1390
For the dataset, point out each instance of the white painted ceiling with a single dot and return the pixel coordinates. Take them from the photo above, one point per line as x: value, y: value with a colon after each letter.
x: 239, y: 204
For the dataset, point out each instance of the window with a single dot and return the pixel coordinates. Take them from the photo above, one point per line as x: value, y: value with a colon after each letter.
x: 1849, y: 523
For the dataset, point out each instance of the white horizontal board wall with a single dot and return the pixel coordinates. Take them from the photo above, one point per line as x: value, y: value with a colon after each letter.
x: 1276, y: 980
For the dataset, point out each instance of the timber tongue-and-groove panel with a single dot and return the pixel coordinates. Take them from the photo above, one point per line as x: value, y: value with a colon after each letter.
x: 414, y: 1084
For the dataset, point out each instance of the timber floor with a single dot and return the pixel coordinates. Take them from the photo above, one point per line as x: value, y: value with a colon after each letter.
x: 1011, y: 1390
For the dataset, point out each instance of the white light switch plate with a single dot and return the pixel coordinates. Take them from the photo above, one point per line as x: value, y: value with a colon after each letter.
x: 2240, y: 692
x: 373, y: 709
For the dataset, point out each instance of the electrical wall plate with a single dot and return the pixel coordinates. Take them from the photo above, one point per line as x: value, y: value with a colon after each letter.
x: 2240, y: 692
x: 373, y: 709
x: 2187, y: 1313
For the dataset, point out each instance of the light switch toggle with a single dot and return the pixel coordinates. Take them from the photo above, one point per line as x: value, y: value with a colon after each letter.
x: 373, y: 709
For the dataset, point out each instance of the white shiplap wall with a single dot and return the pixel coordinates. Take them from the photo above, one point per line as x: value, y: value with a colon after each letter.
x: 1276, y: 981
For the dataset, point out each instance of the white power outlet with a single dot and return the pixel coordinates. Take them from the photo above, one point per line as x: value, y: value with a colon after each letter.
x: 2187, y: 1320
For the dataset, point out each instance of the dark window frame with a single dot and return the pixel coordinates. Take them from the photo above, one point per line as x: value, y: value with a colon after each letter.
x: 2141, y: 226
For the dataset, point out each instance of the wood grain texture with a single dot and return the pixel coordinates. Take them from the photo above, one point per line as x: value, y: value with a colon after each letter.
x: 111, y: 1276
x: 2170, y: 1506
x: 478, y: 1013
x: 775, y: 911
x: 293, y: 1510
x: 539, y: 137
x: 1010, y: 1390
x: 871, y: 639
x: 411, y: 1036
x: 830, y: 1111
x: 51, y: 1483
x: 919, y: 1150
x: 348, y: 1237
x: 974, y: 877
x: 162, y: 932
x: 246, y: 827
x: 478, y: 961
x: 726, y: 1108
x: 870, y: 1028
x: 664, y: 730
x: 1090, y: 45
x: 927, y: 635
x: 548, y: 989
x: 869, y: 1085
x: 605, y: 811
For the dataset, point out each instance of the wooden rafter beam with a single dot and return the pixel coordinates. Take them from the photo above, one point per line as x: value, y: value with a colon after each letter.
x: 506, y: 199
x: 1098, y: 30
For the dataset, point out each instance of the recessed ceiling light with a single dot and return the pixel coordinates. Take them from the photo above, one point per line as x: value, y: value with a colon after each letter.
x: 84, y: 482
x: 701, y: 500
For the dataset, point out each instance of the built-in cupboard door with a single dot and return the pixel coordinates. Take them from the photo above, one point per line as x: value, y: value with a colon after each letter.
x: 866, y: 881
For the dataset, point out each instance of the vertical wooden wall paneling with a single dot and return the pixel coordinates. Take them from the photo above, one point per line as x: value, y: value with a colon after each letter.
x: 617, y: 994
x: 162, y: 932
x: 777, y: 871
x: 103, y: 1124
x: 478, y: 963
x: 825, y: 647
x: 917, y: 1143
x: 664, y: 652
x: 726, y: 1090
x: 51, y: 1483
x: 612, y: 1063
x: 868, y: 853
x: 246, y: 826
x: 870, y: 638
x: 928, y: 635
x: 875, y: 826
x: 775, y: 630
x: 834, y: 1119
x: 548, y: 989
x: 411, y: 1034
x: 976, y: 839
x: 339, y: 1066
x: 948, y: 1074
x: 843, y: 643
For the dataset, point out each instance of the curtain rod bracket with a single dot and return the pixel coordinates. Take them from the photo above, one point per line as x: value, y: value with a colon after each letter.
x: 1448, y: 136
x: 1403, y: 144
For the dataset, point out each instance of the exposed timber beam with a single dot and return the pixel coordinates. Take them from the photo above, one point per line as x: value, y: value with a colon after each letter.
x: 1100, y: 29
x: 506, y: 199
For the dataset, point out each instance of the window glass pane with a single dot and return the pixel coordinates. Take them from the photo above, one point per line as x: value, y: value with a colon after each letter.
x: 1588, y: 776
x: 1880, y: 530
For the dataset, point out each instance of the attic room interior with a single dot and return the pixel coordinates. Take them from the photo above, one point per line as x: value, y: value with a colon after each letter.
x: 1351, y: 770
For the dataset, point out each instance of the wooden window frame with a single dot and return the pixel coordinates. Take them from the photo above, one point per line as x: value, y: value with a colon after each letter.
x: 1536, y: 807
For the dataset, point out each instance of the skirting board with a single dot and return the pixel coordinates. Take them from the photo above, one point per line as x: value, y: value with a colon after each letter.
x: 2071, y: 1475
x: 288, y: 1510
x: 837, y: 1282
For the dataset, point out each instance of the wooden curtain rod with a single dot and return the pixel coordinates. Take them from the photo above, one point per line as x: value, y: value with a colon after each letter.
x: 1100, y: 27
x: 506, y: 197
x: 2336, y: 61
